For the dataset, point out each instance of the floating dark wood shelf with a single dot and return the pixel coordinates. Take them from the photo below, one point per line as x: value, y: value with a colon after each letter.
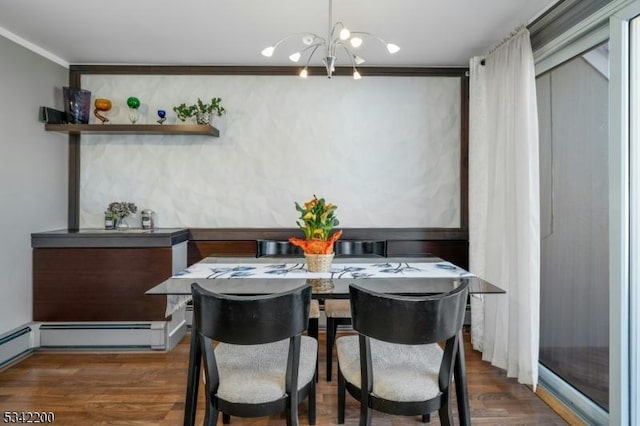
x: 135, y: 129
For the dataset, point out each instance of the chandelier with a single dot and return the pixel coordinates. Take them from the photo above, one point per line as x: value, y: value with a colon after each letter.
x: 339, y: 39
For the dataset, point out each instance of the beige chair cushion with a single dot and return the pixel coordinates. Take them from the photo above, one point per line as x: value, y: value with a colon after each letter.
x: 314, y: 309
x: 400, y: 372
x: 253, y: 374
x: 334, y: 308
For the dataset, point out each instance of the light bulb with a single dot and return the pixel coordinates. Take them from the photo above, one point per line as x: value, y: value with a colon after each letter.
x: 356, y: 75
x: 358, y: 60
x: 344, y: 34
x: 303, y: 73
x: 392, y: 48
x: 295, y: 57
x: 307, y: 40
x: 268, y: 52
x: 356, y: 41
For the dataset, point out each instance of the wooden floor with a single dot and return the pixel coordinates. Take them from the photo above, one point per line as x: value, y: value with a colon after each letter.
x: 148, y: 389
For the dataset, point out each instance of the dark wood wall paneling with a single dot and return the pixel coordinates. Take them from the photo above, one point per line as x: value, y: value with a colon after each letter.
x: 73, y: 209
x: 198, y: 250
x: 454, y: 251
x: 449, y: 244
x: 251, y: 70
x: 464, y: 153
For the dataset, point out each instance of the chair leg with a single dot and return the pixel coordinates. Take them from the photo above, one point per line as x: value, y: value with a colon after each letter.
x: 341, y: 397
x: 312, y: 403
x: 445, y: 412
x: 313, y: 332
x: 226, y: 418
x: 332, y: 328
x: 313, y: 328
x: 426, y: 418
x: 292, y: 414
x: 210, y: 416
x: 365, y: 414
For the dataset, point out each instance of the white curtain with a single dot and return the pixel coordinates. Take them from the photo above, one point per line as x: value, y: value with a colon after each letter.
x: 504, y: 212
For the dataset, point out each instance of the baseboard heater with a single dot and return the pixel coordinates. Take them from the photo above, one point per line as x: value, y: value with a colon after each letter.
x: 14, y: 345
x: 116, y: 336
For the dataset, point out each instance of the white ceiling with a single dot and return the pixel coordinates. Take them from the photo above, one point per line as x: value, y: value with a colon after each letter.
x: 233, y: 32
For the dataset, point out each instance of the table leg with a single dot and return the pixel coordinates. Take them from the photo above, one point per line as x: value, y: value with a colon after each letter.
x: 460, y: 376
x: 193, y: 380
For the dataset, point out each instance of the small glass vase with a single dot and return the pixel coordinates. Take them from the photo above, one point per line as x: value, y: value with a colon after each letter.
x: 134, y: 115
x: 77, y: 105
x: 122, y: 224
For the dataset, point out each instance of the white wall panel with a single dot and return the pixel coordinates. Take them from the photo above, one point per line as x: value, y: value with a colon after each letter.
x: 386, y: 150
x: 33, y: 172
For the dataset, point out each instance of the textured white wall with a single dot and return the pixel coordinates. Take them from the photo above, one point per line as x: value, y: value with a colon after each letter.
x: 386, y: 150
x: 33, y: 172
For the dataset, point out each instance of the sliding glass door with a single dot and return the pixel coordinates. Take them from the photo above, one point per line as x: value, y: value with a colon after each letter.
x: 574, y: 295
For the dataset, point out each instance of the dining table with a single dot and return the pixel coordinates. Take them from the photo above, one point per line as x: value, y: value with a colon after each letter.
x: 242, y: 276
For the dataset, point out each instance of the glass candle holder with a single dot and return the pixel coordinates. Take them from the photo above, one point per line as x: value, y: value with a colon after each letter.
x: 133, y: 103
x: 134, y: 115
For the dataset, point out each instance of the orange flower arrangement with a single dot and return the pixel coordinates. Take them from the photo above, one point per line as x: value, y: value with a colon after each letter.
x: 317, y: 219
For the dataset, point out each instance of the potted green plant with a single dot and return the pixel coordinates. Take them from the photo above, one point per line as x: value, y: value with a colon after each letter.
x: 317, y: 220
x: 183, y: 111
x: 205, y: 111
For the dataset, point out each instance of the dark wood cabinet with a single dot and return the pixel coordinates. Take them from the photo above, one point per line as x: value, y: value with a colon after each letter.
x: 99, y: 284
x: 99, y: 276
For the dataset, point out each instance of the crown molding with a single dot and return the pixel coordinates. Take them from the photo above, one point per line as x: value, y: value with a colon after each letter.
x: 34, y: 48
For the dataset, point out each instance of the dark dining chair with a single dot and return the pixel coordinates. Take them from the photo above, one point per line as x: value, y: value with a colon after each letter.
x: 275, y: 249
x: 338, y: 312
x: 261, y: 363
x: 395, y: 364
x: 314, y: 324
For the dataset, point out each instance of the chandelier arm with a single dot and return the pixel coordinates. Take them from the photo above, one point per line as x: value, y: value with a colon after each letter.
x: 334, y: 45
x: 316, y: 36
x: 311, y: 46
x: 335, y: 26
x: 380, y: 39
x: 350, y: 54
x: 311, y: 54
x: 347, y: 49
x: 283, y: 39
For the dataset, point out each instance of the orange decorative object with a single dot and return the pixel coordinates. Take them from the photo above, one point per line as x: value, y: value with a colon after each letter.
x: 101, y: 104
x: 316, y: 246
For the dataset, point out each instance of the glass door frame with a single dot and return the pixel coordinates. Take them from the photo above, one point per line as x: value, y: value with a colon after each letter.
x: 624, y: 177
x: 634, y: 243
